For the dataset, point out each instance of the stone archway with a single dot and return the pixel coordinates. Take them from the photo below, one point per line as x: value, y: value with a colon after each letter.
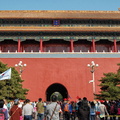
x: 56, y: 87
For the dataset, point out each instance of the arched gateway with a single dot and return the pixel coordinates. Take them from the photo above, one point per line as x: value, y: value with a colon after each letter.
x: 56, y: 87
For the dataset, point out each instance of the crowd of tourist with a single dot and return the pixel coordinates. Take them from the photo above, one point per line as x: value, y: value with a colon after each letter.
x: 82, y: 109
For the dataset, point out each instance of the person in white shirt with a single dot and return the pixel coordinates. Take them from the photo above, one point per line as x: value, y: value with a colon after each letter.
x: 5, y: 104
x: 103, y: 110
x: 52, y: 110
x: 27, y: 110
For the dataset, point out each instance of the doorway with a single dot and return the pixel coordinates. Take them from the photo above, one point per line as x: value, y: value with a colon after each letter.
x: 56, y: 88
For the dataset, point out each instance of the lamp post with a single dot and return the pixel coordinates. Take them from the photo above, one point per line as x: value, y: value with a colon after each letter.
x: 21, y: 67
x: 93, y: 67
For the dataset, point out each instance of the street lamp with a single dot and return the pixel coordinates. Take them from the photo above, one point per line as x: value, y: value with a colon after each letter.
x: 21, y: 67
x: 93, y: 67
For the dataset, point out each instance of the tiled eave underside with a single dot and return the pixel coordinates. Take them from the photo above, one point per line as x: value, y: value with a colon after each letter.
x: 44, y: 14
x: 60, y: 29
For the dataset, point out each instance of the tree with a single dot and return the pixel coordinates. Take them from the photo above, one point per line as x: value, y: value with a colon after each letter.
x: 59, y: 96
x: 11, y: 89
x: 110, y: 86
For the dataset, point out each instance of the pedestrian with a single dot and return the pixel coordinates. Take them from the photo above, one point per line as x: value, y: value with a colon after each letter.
x: 92, y: 111
x: 27, y: 110
x: 52, y: 109
x: 73, y: 115
x: 5, y: 104
x: 40, y: 109
x: 3, y: 110
x: 67, y: 109
x: 107, y: 105
x: 118, y: 113
x: 78, y: 106
x: 103, y: 110
x: 84, y: 110
x: 15, y: 112
x: 113, y: 110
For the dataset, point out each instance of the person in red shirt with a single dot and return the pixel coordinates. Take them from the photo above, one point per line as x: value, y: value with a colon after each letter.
x: 15, y: 112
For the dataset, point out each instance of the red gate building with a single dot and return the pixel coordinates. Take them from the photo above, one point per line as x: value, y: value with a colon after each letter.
x: 57, y: 46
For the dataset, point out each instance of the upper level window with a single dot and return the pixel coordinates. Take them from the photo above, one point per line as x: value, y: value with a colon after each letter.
x: 9, y: 45
x: 104, y: 45
x: 82, y: 45
x: 30, y: 45
x: 56, y: 45
x: 118, y: 45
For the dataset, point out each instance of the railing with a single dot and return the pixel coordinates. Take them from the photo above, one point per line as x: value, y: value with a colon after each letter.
x: 61, y: 52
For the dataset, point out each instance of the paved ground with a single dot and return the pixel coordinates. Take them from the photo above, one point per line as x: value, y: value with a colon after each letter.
x: 61, y: 118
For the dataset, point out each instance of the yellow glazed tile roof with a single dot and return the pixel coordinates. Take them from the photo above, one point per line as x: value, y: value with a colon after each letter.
x: 46, y: 14
x: 48, y: 29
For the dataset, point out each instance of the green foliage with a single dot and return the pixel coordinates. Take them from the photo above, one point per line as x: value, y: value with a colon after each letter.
x: 11, y: 89
x: 59, y: 96
x: 110, y: 86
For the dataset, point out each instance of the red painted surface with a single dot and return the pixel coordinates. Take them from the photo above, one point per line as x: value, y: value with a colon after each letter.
x: 73, y: 73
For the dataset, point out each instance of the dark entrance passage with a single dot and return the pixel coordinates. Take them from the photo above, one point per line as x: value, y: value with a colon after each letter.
x: 56, y: 88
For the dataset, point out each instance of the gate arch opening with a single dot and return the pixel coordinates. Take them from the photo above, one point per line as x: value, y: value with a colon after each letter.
x: 56, y: 87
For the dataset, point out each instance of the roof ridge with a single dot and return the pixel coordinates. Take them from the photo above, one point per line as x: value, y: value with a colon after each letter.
x: 70, y: 11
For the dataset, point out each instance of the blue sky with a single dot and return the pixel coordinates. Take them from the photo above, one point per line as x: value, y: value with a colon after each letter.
x: 110, y: 5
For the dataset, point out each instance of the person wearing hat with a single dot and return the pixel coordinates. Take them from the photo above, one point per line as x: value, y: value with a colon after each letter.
x: 52, y: 109
x: 67, y: 109
x: 15, y: 112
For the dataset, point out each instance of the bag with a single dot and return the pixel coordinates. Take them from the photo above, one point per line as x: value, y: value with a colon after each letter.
x: 92, y: 111
x: 21, y: 117
x: 66, y: 108
x: 8, y: 105
x: 33, y: 115
x: 2, y: 115
x: 113, y: 109
x: 97, y: 113
x: 118, y: 111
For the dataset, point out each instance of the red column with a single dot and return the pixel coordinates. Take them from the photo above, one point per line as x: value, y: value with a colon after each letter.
x: 93, y: 45
x: 19, y: 45
x: 115, y: 46
x: 41, y: 45
x: 71, y: 46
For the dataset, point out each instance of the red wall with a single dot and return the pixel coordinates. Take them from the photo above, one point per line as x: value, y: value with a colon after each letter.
x: 73, y: 73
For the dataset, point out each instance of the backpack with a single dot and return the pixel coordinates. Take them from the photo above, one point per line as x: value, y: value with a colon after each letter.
x: 2, y: 114
x: 113, y: 109
x: 92, y: 111
x: 8, y: 105
x: 84, y: 106
x: 66, y: 107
